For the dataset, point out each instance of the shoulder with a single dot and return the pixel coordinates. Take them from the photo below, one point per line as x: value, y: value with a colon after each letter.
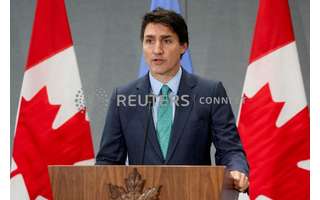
x: 205, y: 84
x: 133, y: 86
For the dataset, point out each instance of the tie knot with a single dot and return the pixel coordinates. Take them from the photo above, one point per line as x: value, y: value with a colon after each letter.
x: 165, y: 90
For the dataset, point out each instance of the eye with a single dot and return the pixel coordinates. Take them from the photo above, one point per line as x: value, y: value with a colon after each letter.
x: 148, y: 41
x: 168, y: 41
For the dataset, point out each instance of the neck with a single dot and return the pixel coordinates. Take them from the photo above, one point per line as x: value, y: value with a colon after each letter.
x: 165, y: 78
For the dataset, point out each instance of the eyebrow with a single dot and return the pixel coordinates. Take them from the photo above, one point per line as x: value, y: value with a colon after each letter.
x: 162, y: 36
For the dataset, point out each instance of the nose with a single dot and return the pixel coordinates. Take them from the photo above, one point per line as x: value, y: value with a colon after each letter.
x: 158, y: 49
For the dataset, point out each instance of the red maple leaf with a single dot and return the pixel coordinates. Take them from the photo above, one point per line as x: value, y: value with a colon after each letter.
x: 273, y: 153
x: 37, y: 145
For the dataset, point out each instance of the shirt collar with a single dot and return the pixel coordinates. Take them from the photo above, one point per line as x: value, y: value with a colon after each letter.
x: 173, y: 84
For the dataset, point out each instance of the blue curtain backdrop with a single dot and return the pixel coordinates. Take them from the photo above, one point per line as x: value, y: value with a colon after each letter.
x: 186, y: 58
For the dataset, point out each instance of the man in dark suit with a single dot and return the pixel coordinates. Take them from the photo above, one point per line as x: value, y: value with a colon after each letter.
x: 187, y: 113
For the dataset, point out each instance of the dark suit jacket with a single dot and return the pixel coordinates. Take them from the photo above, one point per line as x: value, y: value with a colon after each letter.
x: 194, y: 129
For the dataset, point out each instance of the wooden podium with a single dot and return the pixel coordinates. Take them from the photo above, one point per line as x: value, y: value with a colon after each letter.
x: 147, y: 182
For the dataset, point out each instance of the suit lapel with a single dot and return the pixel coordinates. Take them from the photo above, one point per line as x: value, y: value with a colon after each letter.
x: 143, y: 89
x: 182, y: 112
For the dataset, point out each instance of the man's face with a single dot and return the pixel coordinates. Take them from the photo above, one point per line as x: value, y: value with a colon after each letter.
x: 162, y: 50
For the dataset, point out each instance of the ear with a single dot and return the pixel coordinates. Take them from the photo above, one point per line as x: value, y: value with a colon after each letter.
x: 184, y: 47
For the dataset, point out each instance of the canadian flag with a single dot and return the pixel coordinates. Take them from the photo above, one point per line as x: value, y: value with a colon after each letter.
x: 274, y: 117
x: 52, y: 126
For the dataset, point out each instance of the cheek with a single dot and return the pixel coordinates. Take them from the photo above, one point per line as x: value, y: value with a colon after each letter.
x: 146, y: 53
x: 175, y: 55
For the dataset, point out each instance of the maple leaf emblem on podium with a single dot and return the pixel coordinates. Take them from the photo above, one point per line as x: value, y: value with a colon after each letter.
x: 134, y: 189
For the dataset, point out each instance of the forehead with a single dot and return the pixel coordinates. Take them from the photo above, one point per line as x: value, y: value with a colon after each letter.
x: 157, y: 29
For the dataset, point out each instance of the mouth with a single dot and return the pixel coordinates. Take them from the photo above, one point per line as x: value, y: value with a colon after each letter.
x: 158, y: 61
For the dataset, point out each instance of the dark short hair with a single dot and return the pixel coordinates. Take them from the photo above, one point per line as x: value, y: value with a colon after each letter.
x: 168, y: 18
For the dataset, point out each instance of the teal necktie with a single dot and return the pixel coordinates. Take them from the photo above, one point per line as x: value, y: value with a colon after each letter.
x: 164, y: 120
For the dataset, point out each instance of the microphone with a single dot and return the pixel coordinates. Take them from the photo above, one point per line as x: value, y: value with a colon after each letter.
x: 150, y: 99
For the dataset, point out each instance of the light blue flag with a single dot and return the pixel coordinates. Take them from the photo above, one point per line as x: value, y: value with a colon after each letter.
x: 186, y: 58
